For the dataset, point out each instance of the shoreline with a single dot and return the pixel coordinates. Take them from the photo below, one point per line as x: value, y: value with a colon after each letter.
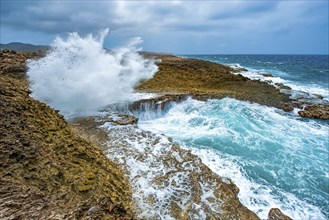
x: 205, y: 80
x: 18, y: 69
x: 47, y: 170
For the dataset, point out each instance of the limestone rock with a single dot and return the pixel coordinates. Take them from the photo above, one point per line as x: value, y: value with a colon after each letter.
x: 47, y: 170
x: 206, y: 79
x: 282, y: 86
x: 276, y: 214
x: 315, y: 111
x: 267, y: 75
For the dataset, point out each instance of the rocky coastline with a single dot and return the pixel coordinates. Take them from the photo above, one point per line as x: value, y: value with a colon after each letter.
x: 47, y: 170
x: 54, y: 169
x: 204, y: 80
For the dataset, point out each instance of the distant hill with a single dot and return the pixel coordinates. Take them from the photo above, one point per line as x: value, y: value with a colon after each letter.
x: 22, y: 47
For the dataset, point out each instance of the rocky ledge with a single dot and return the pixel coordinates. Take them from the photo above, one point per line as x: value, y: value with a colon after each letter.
x: 203, y: 79
x: 181, y: 186
x: 53, y: 170
x: 181, y: 77
x: 315, y: 111
x: 47, y: 170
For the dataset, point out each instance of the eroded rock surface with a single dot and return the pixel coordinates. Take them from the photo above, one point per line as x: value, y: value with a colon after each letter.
x: 315, y: 111
x: 47, y: 171
x: 168, y: 181
x: 205, y: 80
x: 276, y: 214
x: 209, y: 80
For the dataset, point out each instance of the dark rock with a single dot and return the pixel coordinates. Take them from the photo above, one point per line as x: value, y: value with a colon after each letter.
x: 238, y: 69
x: 5, y: 50
x: 267, y: 74
x: 157, y: 103
x: 276, y: 214
x: 315, y: 111
x: 120, y: 119
x: 287, y: 107
x: 318, y: 96
x: 282, y: 86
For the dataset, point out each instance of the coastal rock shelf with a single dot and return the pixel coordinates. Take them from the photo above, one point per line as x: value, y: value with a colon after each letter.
x: 204, y: 80
x: 168, y: 181
x: 54, y: 170
x: 47, y: 171
x: 209, y: 80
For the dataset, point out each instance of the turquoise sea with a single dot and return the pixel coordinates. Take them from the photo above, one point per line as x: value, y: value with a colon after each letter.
x: 277, y: 159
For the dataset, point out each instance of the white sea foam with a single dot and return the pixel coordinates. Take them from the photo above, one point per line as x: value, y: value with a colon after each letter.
x: 309, y: 91
x: 167, y: 182
x: 257, y: 197
x: 79, y: 75
x: 273, y: 157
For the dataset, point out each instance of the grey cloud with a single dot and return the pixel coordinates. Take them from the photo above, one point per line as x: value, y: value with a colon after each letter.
x: 54, y: 17
x: 149, y: 17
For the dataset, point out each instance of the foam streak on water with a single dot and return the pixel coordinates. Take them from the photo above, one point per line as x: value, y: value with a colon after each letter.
x: 297, y: 90
x: 168, y: 182
x: 79, y: 75
x: 305, y: 74
x: 275, y: 158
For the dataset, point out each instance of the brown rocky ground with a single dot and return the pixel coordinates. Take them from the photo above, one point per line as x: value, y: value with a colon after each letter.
x: 194, y: 178
x: 224, y: 202
x: 47, y: 171
x: 315, y: 111
x: 203, y: 80
x: 276, y: 214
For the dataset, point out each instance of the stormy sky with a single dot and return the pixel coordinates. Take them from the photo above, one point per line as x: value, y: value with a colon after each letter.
x: 181, y: 27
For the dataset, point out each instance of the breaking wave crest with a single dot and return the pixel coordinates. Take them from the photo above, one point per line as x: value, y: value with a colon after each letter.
x: 79, y: 75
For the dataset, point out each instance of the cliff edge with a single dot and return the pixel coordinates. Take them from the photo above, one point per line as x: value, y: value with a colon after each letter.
x: 47, y: 171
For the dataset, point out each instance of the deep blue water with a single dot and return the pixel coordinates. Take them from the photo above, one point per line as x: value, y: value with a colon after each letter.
x: 311, y: 72
x: 277, y: 159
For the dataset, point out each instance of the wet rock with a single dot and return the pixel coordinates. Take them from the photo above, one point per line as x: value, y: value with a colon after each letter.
x: 238, y: 69
x: 202, y: 80
x: 287, y: 107
x: 199, y: 190
x: 182, y: 186
x: 318, y: 96
x: 267, y: 75
x: 123, y: 119
x: 315, y: 111
x: 117, y: 118
x: 282, y: 86
x: 5, y: 50
x: 157, y: 103
x: 276, y: 214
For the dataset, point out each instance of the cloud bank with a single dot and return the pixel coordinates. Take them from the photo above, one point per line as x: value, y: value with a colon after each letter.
x: 293, y: 23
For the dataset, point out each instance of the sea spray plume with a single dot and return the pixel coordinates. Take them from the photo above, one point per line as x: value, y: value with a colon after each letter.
x: 78, y: 75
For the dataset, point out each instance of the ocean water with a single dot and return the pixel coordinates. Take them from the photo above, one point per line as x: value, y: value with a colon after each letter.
x: 277, y: 159
x: 303, y: 73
